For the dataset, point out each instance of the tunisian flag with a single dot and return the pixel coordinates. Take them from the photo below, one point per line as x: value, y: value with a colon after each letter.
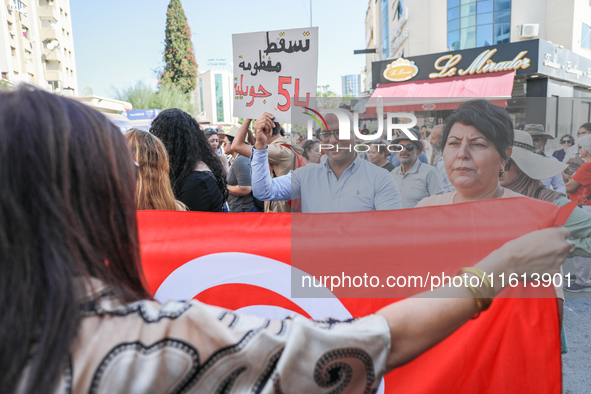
x: 253, y: 262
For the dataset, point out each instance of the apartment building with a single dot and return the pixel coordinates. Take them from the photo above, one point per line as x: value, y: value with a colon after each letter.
x: 407, y: 28
x: 532, y: 57
x: 37, y: 45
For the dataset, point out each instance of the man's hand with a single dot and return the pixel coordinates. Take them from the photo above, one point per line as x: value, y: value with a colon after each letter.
x: 263, y: 127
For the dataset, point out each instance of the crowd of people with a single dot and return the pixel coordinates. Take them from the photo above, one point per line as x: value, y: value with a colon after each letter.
x: 75, y: 314
x: 466, y: 159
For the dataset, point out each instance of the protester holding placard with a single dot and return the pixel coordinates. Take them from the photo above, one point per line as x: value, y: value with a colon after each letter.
x: 341, y: 182
x: 281, y: 157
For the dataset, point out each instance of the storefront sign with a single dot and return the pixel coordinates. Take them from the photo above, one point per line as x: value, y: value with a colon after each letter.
x: 400, y: 70
x: 520, y: 56
x: 525, y: 57
x: 561, y: 63
x: 481, y: 65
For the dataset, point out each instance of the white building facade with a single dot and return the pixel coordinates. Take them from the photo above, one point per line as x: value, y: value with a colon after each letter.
x: 213, y: 97
x: 36, y: 44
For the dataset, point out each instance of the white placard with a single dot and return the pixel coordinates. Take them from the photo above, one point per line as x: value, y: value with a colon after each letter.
x: 274, y: 71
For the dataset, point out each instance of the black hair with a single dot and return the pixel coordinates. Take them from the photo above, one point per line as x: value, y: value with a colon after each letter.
x: 186, y: 145
x: 309, y: 144
x: 520, y: 126
x: 67, y: 215
x: 586, y: 126
x: 492, y: 121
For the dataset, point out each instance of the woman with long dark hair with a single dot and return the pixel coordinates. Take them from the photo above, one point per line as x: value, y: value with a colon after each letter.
x: 74, y: 315
x: 67, y: 218
x: 196, y: 173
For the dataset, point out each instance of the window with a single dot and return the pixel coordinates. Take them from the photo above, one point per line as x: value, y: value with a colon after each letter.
x: 13, y: 51
x: 385, y: 30
x: 5, y: 75
x: 219, y: 98
x: 473, y: 24
x: 586, y: 37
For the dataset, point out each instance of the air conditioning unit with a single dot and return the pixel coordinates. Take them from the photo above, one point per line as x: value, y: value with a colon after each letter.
x: 529, y: 30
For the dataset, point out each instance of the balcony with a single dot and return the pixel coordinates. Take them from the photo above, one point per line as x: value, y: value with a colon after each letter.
x: 48, y: 34
x: 30, y: 66
x: 48, y: 12
x: 16, y: 65
x: 54, y: 75
x: 55, y: 54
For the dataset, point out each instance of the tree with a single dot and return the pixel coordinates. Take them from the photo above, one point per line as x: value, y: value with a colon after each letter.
x: 181, y: 68
x: 141, y: 96
x: 325, y: 91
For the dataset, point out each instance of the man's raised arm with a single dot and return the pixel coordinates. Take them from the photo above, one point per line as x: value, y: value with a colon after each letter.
x: 238, y: 145
x: 264, y: 187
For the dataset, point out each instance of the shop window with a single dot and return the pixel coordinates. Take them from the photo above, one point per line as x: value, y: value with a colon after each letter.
x: 385, y: 30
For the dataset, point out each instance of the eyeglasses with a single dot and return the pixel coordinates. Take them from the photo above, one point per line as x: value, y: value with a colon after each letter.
x: 325, y: 135
x: 409, y: 147
x: 566, y: 142
x: 537, y: 139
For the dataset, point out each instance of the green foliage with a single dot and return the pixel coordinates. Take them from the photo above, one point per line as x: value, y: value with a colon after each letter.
x: 5, y: 85
x: 325, y: 91
x: 181, y: 68
x: 141, y: 96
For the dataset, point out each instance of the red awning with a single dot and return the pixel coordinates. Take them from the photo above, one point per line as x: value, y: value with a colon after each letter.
x: 442, y: 94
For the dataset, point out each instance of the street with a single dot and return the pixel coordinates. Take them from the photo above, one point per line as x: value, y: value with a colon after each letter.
x: 576, y: 364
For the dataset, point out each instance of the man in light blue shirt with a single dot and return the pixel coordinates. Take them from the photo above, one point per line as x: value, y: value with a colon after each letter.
x: 540, y: 138
x: 341, y: 182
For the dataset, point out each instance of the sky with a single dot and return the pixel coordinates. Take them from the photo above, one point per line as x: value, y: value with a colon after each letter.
x: 118, y: 43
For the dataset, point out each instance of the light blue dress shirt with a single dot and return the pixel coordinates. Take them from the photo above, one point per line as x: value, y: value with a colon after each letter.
x: 363, y: 186
x: 555, y: 183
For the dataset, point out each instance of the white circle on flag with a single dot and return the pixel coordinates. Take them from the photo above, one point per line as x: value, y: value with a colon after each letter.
x: 217, y: 269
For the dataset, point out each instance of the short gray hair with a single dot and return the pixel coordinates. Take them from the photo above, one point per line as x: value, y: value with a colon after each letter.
x: 585, y: 142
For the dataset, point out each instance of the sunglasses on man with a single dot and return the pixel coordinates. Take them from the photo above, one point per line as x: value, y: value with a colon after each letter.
x: 409, y: 147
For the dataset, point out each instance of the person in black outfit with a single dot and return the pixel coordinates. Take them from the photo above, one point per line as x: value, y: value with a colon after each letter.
x: 196, y: 174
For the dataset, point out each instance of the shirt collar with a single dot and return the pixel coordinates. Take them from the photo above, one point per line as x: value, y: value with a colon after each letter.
x: 354, y: 166
x: 413, y: 170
